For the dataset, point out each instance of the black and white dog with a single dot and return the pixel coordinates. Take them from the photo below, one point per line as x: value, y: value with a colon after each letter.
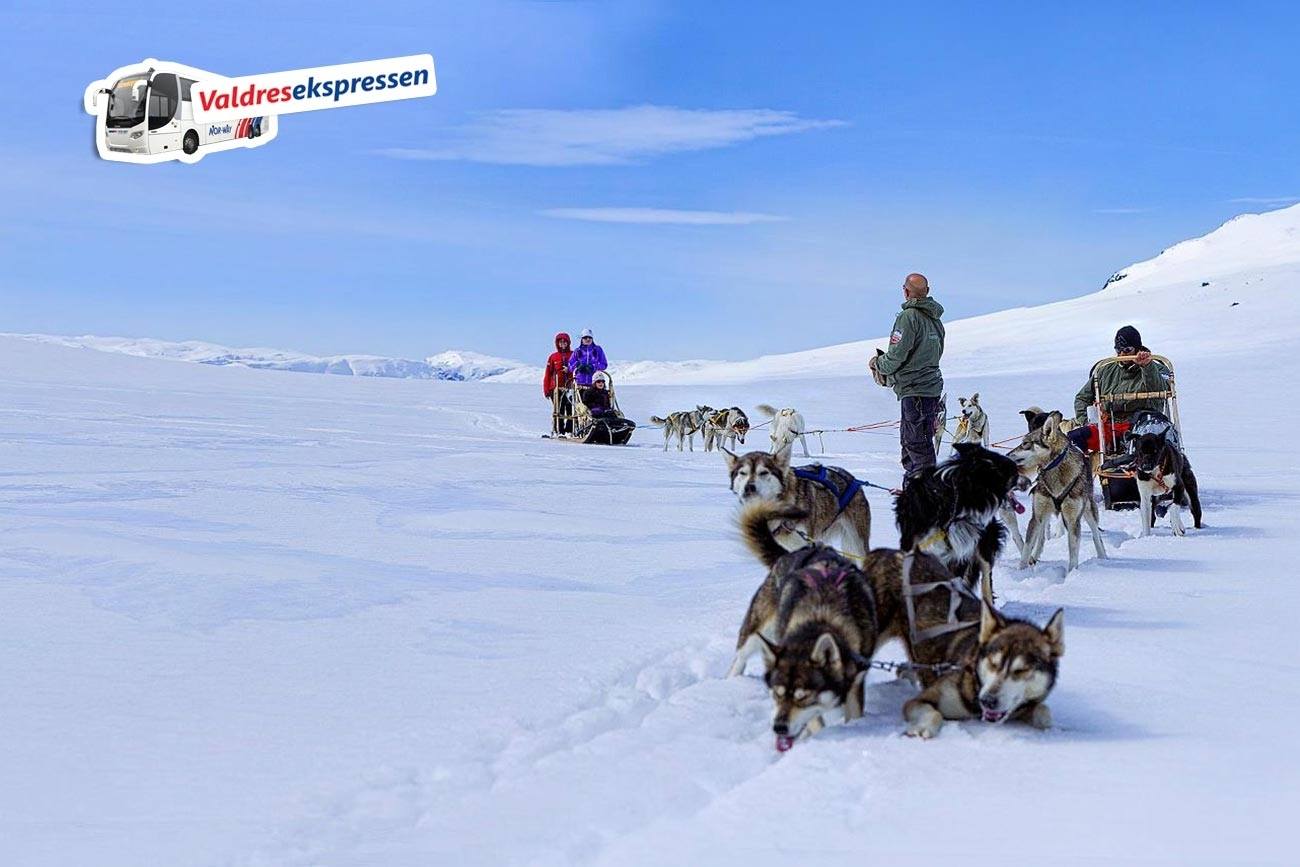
x: 951, y: 512
x: 1163, y: 471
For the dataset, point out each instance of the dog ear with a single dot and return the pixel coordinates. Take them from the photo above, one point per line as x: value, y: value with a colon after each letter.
x: 975, y: 398
x: 783, y: 456
x: 1055, y: 632
x: 770, y: 650
x: 826, y: 653
x: 732, y: 457
x: 990, y: 622
x: 1052, y: 427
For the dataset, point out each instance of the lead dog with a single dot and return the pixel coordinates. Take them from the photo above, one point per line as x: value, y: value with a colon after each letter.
x: 787, y: 426
x: 1004, y: 671
x: 834, y: 509
x: 684, y: 425
x: 1162, y: 469
x: 815, y: 620
x: 1063, y: 487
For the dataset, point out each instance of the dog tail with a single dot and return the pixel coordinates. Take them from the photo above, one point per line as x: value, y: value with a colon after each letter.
x: 654, y: 419
x: 755, y: 529
x: 766, y: 409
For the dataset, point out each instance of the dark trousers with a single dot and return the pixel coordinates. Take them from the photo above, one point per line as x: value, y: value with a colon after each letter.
x: 917, y: 433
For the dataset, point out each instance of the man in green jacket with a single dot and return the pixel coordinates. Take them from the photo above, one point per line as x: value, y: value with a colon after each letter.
x: 911, y: 366
x: 1139, y: 374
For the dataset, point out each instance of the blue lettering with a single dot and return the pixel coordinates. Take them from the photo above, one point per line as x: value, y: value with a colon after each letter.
x: 422, y: 76
x: 314, y: 87
x: 299, y: 91
x: 406, y: 79
x: 368, y: 82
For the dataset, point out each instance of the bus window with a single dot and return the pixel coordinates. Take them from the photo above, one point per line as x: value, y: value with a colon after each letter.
x: 186, y: 84
x: 162, y: 100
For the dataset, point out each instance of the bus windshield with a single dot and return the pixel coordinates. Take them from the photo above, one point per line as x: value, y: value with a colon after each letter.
x: 126, y: 104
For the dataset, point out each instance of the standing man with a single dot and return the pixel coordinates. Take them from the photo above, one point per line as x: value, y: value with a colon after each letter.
x: 911, y: 366
x: 587, y: 359
x: 557, y: 378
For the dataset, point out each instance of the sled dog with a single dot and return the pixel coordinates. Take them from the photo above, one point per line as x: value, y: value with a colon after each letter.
x: 814, y: 619
x: 951, y: 511
x: 725, y: 427
x: 1005, y: 670
x: 1063, y: 487
x: 974, y: 424
x: 683, y: 425
x: 1162, y: 470
x: 787, y: 426
x: 833, y: 508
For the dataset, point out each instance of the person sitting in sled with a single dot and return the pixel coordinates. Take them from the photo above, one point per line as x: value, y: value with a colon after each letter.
x: 1139, y: 373
x: 597, y: 399
x: 587, y: 359
x: 557, y: 376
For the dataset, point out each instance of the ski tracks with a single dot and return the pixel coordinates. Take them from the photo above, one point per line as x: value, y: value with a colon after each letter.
x: 663, y: 740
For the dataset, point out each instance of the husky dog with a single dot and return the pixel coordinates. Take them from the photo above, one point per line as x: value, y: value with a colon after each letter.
x: 831, y: 501
x: 1162, y: 469
x: 787, y: 426
x: 814, y: 618
x: 974, y: 424
x: 951, y: 511
x: 940, y: 422
x: 1064, y: 487
x: 724, y: 427
x: 1005, y: 671
x: 684, y: 425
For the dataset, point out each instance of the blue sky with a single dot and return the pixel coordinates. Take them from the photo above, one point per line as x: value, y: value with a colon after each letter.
x: 688, y: 179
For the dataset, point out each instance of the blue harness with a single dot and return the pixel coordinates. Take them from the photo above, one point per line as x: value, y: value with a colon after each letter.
x: 839, y: 482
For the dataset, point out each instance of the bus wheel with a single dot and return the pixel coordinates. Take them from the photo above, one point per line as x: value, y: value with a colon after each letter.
x: 191, y: 143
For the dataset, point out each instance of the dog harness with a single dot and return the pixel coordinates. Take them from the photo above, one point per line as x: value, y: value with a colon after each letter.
x: 840, y: 483
x: 956, y: 590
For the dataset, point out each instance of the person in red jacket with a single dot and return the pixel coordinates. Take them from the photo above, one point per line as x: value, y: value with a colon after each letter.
x: 557, y: 375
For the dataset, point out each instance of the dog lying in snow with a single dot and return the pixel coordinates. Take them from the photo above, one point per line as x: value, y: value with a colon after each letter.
x: 1005, y: 670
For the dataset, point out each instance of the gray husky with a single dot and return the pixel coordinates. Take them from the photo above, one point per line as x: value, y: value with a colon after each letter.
x: 829, y: 509
x: 1063, y: 487
x: 684, y: 425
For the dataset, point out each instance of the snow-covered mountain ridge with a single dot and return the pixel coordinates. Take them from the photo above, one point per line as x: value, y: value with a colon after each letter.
x: 1207, y: 295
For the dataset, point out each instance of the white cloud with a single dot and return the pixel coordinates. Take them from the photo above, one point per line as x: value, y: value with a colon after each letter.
x: 1265, y: 200
x: 662, y: 216
x: 593, y: 137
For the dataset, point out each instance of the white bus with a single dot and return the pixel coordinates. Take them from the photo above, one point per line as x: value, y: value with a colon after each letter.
x: 150, y: 112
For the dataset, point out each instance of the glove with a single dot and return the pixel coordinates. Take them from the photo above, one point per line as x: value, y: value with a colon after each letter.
x: 586, y: 369
x: 549, y: 393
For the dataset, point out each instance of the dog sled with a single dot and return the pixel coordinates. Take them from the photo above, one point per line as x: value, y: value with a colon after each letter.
x: 1119, y: 490
x: 572, y: 421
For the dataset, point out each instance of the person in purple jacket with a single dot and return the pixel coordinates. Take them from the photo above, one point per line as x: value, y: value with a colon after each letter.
x: 586, y: 359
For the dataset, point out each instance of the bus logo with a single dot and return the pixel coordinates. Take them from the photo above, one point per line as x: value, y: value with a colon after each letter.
x: 145, y: 113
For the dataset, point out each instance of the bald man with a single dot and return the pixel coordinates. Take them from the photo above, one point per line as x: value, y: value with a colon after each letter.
x: 911, y: 366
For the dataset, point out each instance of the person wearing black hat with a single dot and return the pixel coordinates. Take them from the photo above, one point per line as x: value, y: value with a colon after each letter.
x: 1139, y: 372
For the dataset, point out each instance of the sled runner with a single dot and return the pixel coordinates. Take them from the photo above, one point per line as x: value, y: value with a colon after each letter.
x: 1118, y: 484
x: 572, y: 421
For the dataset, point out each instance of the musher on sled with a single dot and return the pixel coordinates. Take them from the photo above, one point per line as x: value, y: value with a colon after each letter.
x: 1138, y: 374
